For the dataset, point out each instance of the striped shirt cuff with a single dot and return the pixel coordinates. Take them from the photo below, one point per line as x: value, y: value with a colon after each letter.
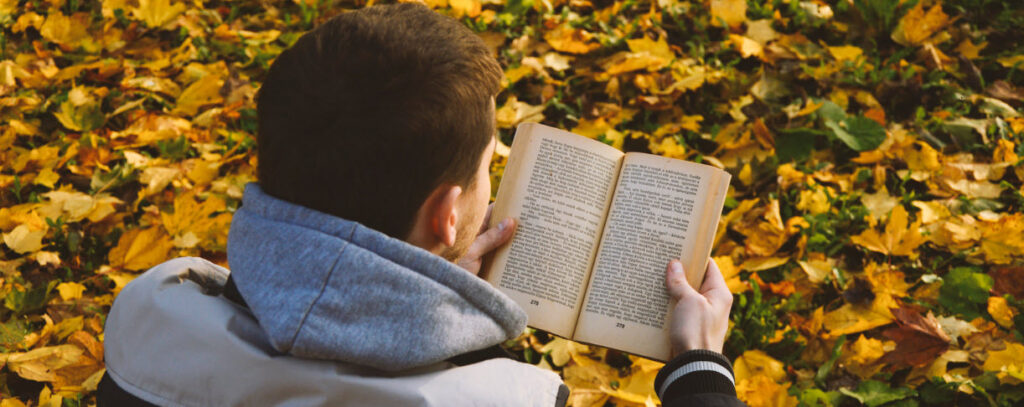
x: 693, y: 372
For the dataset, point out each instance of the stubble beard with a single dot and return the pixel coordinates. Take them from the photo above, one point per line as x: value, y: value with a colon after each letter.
x: 463, y: 240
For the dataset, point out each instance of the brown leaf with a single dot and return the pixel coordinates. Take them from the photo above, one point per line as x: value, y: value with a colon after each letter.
x: 1008, y: 280
x: 919, y: 338
x: 1004, y: 90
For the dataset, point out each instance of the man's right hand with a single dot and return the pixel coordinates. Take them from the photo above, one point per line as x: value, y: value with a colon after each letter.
x: 699, y: 319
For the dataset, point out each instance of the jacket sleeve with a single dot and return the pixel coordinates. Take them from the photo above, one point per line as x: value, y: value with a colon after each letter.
x: 697, y: 378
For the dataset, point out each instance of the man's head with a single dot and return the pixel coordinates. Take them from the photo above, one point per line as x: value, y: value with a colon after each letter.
x: 381, y: 116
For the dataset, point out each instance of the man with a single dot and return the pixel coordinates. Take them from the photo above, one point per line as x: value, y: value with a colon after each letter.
x: 354, y: 260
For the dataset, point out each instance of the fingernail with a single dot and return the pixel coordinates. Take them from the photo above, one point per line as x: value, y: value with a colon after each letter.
x: 504, y: 224
x: 676, y: 267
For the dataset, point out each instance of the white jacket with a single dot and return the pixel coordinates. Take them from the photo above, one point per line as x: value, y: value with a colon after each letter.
x: 171, y: 340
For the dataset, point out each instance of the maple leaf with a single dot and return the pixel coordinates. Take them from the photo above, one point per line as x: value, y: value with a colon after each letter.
x: 861, y: 356
x: 918, y: 25
x: 898, y: 239
x: 23, y: 239
x: 157, y: 13
x: 853, y: 318
x: 731, y: 12
x: 571, y: 40
x: 205, y: 91
x: 140, y: 249
x: 919, y: 338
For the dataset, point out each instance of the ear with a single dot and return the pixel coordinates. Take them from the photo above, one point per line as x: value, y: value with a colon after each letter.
x: 445, y: 215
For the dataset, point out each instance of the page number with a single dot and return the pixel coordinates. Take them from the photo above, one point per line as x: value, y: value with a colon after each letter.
x: 534, y: 302
x: 620, y: 325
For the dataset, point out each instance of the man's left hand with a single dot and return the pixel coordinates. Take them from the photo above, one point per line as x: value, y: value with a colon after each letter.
x: 486, y: 241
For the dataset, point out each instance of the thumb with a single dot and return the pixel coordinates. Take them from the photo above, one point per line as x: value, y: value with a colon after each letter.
x: 675, y: 280
x: 492, y: 238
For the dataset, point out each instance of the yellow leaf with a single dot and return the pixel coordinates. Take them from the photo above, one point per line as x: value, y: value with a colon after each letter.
x: 761, y: 31
x: 64, y: 30
x: 203, y: 172
x: 1001, y: 312
x: 921, y: 157
x: 969, y: 49
x: 556, y: 61
x: 205, y: 91
x: 157, y: 13
x: 746, y: 175
x: 1008, y: 362
x: 817, y: 269
x: 153, y: 84
x: 931, y: 211
x: 644, y: 53
x: 11, y: 402
x: 82, y: 111
x: 1003, y: 240
x: 559, y: 349
x: 865, y: 350
x: 852, y: 318
x: 762, y: 391
x: 886, y: 280
x: 1011, y: 61
x: 156, y: 179
x: 46, y: 258
x: 571, y: 40
x: 731, y: 12
x: 753, y: 363
x: 46, y: 178
x: 47, y: 399
x: 879, y: 203
x: 917, y: 26
x: 140, y: 249
x: 66, y: 201
x: 845, y: 52
x: 41, y: 364
x: 638, y: 387
x: 974, y: 189
x: 515, y: 112
x: 70, y: 291
x: 513, y: 75
x: 746, y: 46
x: 899, y: 239
x: 731, y: 273
x: 861, y: 356
x: 763, y: 263
x: 120, y: 280
x: 24, y: 239
x: 470, y: 8
x: 814, y: 200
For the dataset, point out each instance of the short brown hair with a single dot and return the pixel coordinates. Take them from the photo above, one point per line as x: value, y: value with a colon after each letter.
x: 372, y: 110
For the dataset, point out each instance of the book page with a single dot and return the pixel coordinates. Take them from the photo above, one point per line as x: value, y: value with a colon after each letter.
x: 557, y: 185
x: 663, y: 209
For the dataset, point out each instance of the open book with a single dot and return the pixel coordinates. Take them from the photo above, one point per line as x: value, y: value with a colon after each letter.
x: 596, y: 230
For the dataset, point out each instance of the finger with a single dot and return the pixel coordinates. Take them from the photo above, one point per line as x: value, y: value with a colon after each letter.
x: 492, y: 238
x: 487, y: 219
x: 675, y: 281
x: 714, y: 282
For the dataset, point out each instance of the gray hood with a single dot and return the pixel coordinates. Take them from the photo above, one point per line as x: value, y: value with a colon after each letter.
x: 327, y: 288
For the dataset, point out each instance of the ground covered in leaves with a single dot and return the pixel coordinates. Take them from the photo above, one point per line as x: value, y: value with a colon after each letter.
x: 873, y: 235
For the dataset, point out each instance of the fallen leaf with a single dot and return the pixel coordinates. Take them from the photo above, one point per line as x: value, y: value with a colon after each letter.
x: 899, y: 238
x: 731, y: 12
x: 70, y: 290
x: 140, y: 249
x: 1001, y: 312
x: 918, y: 25
x: 919, y: 338
x: 157, y: 13
x: 24, y: 239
